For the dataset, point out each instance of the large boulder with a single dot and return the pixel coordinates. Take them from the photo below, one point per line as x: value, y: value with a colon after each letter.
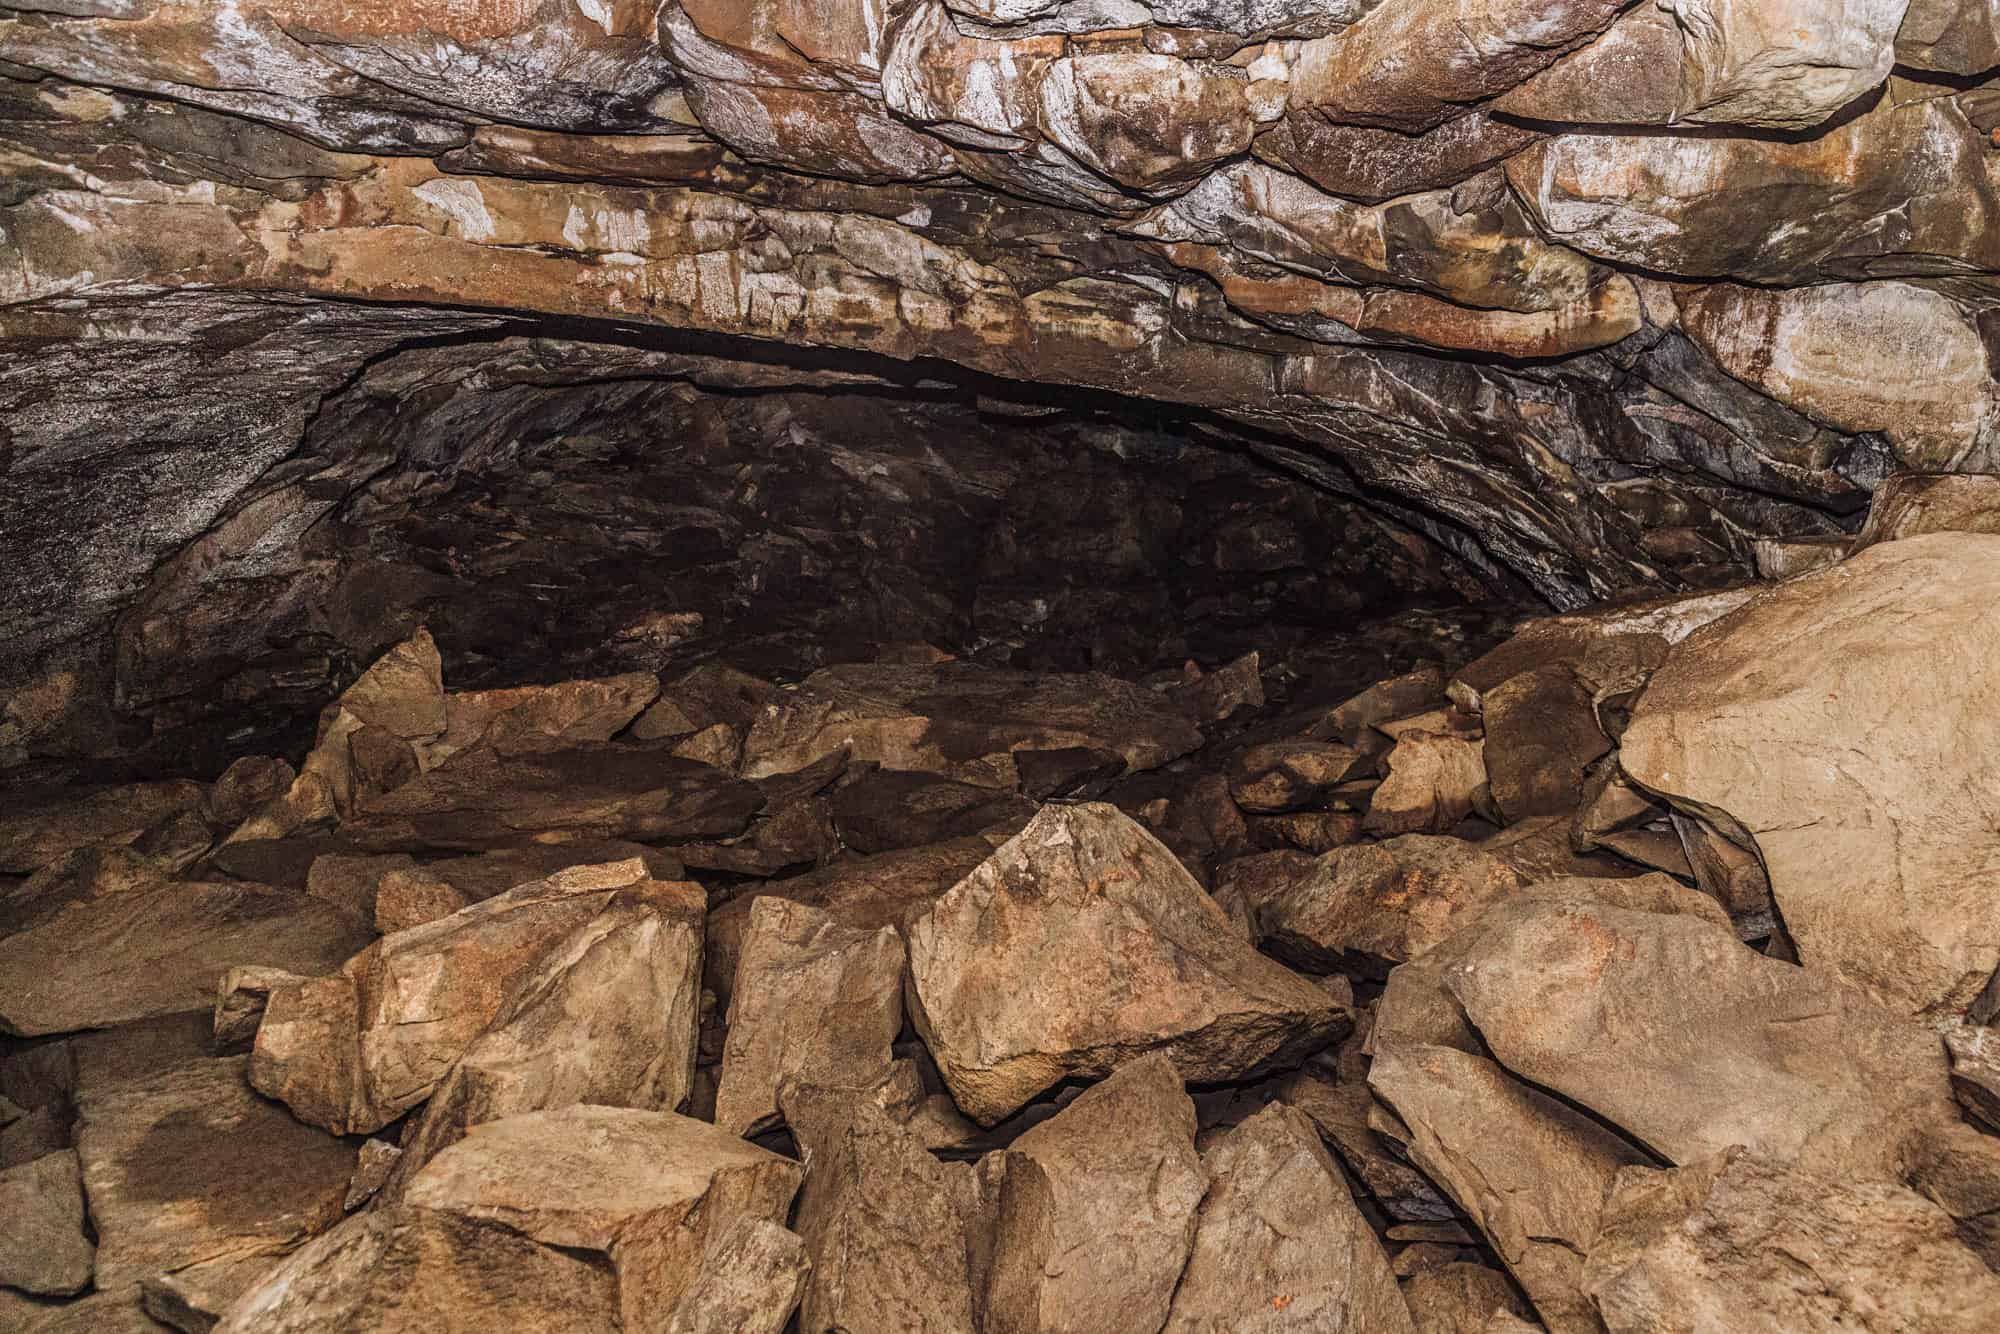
x: 1846, y: 726
x: 355, y: 1049
x: 1081, y: 944
x: 38, y: 827
x: 1096, y: 1210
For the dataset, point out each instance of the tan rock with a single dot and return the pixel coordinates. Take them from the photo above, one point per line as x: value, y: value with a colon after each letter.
x: 1082, y: 943
x: 1434, y: 781
x: 1096, y: 1210
x: 75, y: 877
x: 351, y: 883
x: 1818, y: 736
x: 1341, y: 1108
x: 1279, y: 1244
x: 960, y: 721
x: 1975, y: 1072
x: 188, y: 1171
x: 542, y: 717
x: 240, y: 998
x: 608, y: 1017
x: 419, y: 894
x: 420, y: 1271
x: 646, y: 1188
x: 342, y: 1050
x: 1741, y: 1243
x: 1285, y: 775
x: 43, y: 1249
x: 36, y: 829
x: 158, y: 950
x: 752, y: 1276
x: 1372, y: 165
x: 814, y: 1002
x: 1541, y: 734
x: 244, y: 786
x: 1529, y: 1172
x: 1460, y: 1298
x: 1911, y: 504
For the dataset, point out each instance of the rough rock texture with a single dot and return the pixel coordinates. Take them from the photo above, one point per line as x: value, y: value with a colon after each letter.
x: 41, y: 1227
x: 751, y: 1278
x: 1081, y: 944
x: 1859, y: 705
x: 1096, y: 1210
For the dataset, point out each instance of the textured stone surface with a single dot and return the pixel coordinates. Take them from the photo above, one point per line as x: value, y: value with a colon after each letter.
x: 1082, y: 944
x: 41, y: 1227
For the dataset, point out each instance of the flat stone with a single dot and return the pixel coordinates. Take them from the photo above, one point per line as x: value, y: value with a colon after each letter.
x: 1287, y: 775
x: 1541, y: 735
x: 751, y: 1279
x: 43, y: 1249
x: 1460, y: 1298
x: 889, y: 809
x: 159, y: 950
x: 37, y: 828
x: 1081, y: 944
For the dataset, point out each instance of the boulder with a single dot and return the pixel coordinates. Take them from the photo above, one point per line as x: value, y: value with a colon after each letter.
x: 1374, y: 905
x: 1278, y: 1244
x: 352, y: 882
x: 813, y: 1001
x: 887, y: 809
x: 240, y: 998
x: 1343, y: 1110
x: 1845, y: 725
x: 1081, y: 944
x: 1541, y: 735
x: 244, y: 786
x: 1528, y: 1171
x: 1435, y: 780
x: 38, y: 827
x: 481, y: 799
x: 752, y: 1276
x: 1740, y: 1243
x: 355, y: 1049
x: 961, y: 721
x: 1286, y: 775
x: 607, y: 1017
x: 1910, y: 504
x: 75, y: 877
x: 159, y: 949
x: 647, y: 1189
x: 43, y: 1248
x: 189, y: 1172
x: 422, y: 1271
x: 1460, y: 1298
x: 1095, y: 1210
x: 888, y: 1227
x: 417, y: 894
x: 525, y: 718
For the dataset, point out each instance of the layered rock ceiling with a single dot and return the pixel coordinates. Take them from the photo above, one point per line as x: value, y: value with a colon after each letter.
x: 1599, y: 294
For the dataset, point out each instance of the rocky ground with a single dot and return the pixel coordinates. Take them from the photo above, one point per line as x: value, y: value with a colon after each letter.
x: 1627, y: 972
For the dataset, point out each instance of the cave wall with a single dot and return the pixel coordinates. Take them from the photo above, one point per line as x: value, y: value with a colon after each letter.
x: 1596, y: 295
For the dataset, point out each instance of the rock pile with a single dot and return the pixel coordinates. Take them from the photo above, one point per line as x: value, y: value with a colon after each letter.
x: 1632, y: 976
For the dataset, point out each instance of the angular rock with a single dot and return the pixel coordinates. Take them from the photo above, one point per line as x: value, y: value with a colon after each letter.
x: 355, y: 1049
x: 1460, y: 1298
x: 1908, y: 504
x: 1379, y: 904
x: 43, y: 1249
x: 1858, y: 760
x: 608, y: 1017
x: 351, y: 883
x: 37, y: 828
x: 1541, y: 734
x: 481, y: 799
x: 1081, y: 944
x: 1286, y: 775
x: 243, y: 787
x: 813, y: 1001
x: 1738, y: 1242
x: 240, y: 998
x: 886, y: 810
x: 1096, y: 1210
x: 74, y: 877
x: 1530, y: 1172
x: 419, y: 1271
x: 1341, y: 1109
x: 887, y: 1226
x: 1975, y: 1072
x: 527, y: 718
x: 649, y: 1189
x: 158, y: 950
x: 419, y: 894
x: 1279, y: 1244
x: 189, y: 1171
x: 960, y: 721
x: 1435, y: 779
x: 751, y: 1279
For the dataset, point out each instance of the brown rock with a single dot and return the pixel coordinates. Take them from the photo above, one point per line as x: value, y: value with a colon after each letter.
x: 961, y: 721
x: 1096, y: 1210
x: 1528, y: 1171
x: 419, y: 894
x: 37, y: 828
x: 74, y: 877
x: 188, y: 1171
x: 1730, y: 874
x: 1081, y: 944
x: 646, y: 1188
x: 43, y: 1249
x: 1907, y: 504
x: 1435, y: 779
x: 1541, y: 734
x: 1279, y: 1244
x: 1379, y: 904
x: 1459, y: 1298
x: 342, y: 1051
x: 244, y: 786
x: 1738, y: 1242
x: 1285, y: 775
x: 481, y: 799
x: 240, y: 998
x: 1341, y: 1109
x: 1975, y: 1072
x: 751, y: 1279
x: 1814, y: 732
x: 886, y: 1225
x: 1216, y: 696
x: 527, y: 718
x: 885, y: 810
x: 351, y: 883
x: 420, y: 1271
x: 607, y: 1017
x: 813, y: 1001
x: 160, y: 949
